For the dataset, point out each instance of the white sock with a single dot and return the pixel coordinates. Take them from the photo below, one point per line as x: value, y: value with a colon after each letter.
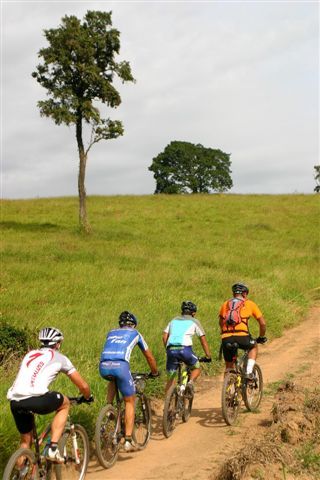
x: 250, y: 365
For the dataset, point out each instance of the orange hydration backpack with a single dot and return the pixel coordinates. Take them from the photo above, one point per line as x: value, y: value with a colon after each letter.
x: 233, y: 317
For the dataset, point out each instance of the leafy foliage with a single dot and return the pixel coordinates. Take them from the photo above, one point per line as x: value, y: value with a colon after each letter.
x: 78, y: 69
x: 184, y: 167
x: 13, y: 341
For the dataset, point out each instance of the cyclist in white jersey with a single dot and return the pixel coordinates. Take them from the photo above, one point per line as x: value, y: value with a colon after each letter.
x: 177, y: 339
x: 30, y: 393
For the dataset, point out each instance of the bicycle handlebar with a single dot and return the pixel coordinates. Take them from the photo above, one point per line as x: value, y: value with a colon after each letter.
x: 81, y: 399
x: 145, y: 376
x: 205, y: 359
x: 260, y: 340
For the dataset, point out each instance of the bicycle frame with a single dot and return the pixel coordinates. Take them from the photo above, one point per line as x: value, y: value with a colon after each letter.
x: 237, y: 388
x: 35, y: 461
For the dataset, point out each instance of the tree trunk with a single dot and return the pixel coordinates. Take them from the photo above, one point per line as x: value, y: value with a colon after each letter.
x: 83, y: 219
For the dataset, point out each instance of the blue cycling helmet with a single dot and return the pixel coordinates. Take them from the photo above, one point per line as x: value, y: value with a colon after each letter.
x: 127, y: 318
x: 240, y: 288
x: 188, y: 307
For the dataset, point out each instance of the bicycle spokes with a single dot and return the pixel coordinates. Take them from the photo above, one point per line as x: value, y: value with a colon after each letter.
x: 231, y: 397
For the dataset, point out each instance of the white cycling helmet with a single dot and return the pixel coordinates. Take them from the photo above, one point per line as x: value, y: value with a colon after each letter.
x: 50, y: 336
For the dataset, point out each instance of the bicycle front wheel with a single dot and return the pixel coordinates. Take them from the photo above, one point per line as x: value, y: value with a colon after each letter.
x: 253, y: 390
x: 230, y: 398
x: 142, y: 421
x: 22, y: 464
x: 74, y: 447
x: 106, y: 436
x: 170, y: 411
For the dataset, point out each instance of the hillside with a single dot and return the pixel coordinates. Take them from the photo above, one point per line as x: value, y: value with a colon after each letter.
x: 147, y: 254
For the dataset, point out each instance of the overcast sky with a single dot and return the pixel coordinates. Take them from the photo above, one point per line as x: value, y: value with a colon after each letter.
x: 239, y: 76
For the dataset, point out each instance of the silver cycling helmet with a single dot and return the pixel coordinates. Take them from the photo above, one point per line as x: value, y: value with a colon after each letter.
x: 50, y: 336
x: 239, y: 288
x: 188, y: 307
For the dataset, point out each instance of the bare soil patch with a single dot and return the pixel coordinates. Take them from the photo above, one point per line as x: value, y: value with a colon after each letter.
x: 273, y: 443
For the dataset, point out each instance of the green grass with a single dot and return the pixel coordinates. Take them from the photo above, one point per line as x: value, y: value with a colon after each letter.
x: 147, y: 254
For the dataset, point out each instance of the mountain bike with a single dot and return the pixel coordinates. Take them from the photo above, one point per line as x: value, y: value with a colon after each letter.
x: 179, y: 399
x: 237, y: 388
x: 110, y: 425
x: 31, y: 464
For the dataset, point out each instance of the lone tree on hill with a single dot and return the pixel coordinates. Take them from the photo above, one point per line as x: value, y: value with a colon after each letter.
x: 78, y: 69
x: 317, y: 178
x: 187, y: 168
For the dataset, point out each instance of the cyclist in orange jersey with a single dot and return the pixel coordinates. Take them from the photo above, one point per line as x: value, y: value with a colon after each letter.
x: 239, y: 332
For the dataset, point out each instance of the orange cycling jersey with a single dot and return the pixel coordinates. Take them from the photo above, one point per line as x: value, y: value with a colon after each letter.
x: 250, y: 309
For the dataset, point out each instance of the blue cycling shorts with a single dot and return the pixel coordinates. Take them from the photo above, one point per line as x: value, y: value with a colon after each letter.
x: 177, y: 354
x: 121, y: 371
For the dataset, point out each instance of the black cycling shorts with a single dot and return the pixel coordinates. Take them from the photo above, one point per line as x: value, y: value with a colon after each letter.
x: 245, y: 342
x: 23, y: 410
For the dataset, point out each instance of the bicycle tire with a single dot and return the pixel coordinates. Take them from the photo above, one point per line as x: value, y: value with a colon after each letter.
x: 142, y: 421
x: 252, y: 392
x: 50, y: 468
x: 70, y: 470
x: 170, y: 411
x: 187, y: 404
x: 106, y: 441
x: 29, y: 463
x: 230, y: 398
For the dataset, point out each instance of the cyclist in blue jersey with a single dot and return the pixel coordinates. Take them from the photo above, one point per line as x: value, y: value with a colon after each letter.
x: 177, y: 339
x: 115, y: 361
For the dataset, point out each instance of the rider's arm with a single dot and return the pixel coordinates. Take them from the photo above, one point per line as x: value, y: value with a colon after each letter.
x: 221, y: 323
x: 151, y: 361
x: 205, y: 346
x: 262, y: 326
x: 165, y: 337
x: 79, y: 382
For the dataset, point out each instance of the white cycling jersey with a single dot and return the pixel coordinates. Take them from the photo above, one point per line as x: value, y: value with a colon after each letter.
x: 181, y: 330
x: 38, y: 369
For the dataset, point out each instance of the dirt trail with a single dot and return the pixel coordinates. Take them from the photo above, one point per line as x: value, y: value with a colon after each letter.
x: 197, y: 449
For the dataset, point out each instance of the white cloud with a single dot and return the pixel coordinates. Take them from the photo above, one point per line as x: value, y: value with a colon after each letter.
x: 242, y: 77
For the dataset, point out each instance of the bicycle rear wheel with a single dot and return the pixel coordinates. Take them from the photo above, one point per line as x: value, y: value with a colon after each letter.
x: 252, y: 391
x: 142, y: 421
x: 187, y: 403
x: 21, y: 464
x: 230, y: 398
x: 106, y: 436
x: 170, y: 412
x: 75, y: 451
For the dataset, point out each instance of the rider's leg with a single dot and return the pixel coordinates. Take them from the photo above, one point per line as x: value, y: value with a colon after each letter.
x: 129, y: 415
x: 252, y: 356
x: 111, y: 391
x: 26, y: 440
x: 59, y: 420
x: 194, y: 374
x: 171, y: 380
x: 229, y: 366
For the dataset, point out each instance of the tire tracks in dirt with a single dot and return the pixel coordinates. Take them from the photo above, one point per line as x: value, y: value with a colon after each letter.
x: 197, y: 449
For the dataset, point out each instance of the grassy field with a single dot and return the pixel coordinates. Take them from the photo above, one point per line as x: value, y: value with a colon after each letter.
x: 147, y: 254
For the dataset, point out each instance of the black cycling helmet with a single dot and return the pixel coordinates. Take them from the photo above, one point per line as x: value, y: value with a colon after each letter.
x: 127, y: 318
x: 239, y: 288
x: 188, y: 307
x: 49, y: 336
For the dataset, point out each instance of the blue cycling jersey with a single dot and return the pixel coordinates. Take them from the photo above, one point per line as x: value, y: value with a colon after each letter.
x: 120, y: 342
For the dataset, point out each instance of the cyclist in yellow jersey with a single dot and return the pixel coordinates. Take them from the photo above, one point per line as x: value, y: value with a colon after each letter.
x: 239, y: 332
